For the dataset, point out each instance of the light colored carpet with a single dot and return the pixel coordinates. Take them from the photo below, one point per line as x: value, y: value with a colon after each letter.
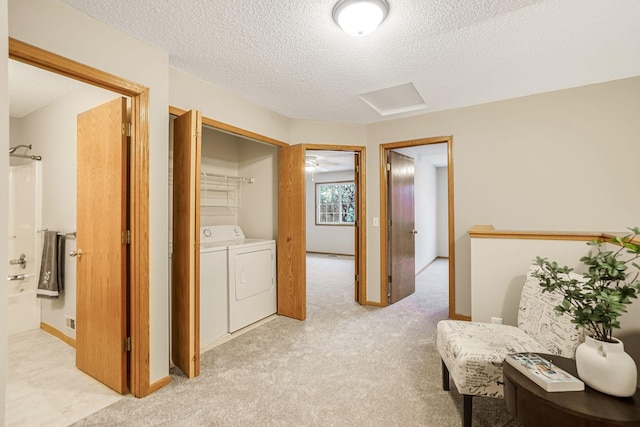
x: 346, y: 365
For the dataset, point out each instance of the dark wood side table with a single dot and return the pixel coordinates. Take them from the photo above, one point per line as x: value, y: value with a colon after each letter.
x: 532, y: 406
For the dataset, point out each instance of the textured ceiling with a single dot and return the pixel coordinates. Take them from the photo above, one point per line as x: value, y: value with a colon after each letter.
x: 290, y: 56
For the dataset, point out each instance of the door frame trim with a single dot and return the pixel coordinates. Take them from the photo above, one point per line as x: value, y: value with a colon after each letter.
x: 231, y: 129
x: 138, y: 294
x: 384, y: 184
x: 361, y: 239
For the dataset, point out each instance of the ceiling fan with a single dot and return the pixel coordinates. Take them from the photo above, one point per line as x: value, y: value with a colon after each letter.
x: 314, y: 164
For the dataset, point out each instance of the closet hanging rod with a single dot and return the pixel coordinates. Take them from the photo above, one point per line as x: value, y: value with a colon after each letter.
x: 70, y: 236
x: 233, y: 178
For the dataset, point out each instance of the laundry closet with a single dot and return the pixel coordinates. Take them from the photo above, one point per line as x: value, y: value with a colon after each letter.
x: 238, y: 183
x: 224, y: 203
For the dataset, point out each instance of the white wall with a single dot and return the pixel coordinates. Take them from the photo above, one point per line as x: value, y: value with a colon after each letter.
x: 15, y: 135
x: 442, y: 214
x: 426, y: 204
x: 57, y: 27
x: 52, y: 132
x: 330, y: 239
x: 541, y: 162
x: 219, y: 156
x: 187, y: 92
x: 4, y: 186
x: 258, y: 215
x: 319, y: 132
x: 498, y: 269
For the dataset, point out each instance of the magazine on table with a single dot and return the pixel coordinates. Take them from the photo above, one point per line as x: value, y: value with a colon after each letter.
x: 544, y: 373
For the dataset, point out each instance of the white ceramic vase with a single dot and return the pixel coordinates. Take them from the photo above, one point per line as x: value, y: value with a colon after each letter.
x: 606, y: 367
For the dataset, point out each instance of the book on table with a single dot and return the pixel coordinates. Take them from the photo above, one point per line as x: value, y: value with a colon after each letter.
x: 544, y: 373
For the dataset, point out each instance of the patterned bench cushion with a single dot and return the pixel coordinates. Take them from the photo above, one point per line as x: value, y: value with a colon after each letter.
x: 474, y: 352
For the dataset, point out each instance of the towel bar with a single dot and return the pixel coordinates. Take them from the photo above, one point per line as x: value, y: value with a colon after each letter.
x: 70, y: 236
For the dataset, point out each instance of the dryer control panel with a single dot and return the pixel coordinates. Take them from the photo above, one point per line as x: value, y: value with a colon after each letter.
x: 220, y: 233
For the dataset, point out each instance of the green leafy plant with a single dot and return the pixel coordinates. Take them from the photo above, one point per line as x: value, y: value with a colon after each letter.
x: 599, y: 297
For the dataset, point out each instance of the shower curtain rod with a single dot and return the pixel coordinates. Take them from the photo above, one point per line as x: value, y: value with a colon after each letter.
x: 26, y: 156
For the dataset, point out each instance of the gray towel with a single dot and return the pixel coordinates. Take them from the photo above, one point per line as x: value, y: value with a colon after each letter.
x: 51, y: 281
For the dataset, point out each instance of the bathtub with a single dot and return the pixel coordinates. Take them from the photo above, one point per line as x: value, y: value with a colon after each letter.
x: 24, y: 307
x: 25, y: 219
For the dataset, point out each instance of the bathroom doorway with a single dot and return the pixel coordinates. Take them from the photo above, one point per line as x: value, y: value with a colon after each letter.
x: 137, y: 309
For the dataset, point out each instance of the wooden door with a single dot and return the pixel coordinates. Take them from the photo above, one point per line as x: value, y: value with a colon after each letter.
x: 292, y: 270
x: 185, y: 267
x: 101, y: 260
x: 402, y: 271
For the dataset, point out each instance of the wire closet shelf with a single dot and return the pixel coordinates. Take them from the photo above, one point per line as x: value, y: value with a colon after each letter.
x: 224, y: 191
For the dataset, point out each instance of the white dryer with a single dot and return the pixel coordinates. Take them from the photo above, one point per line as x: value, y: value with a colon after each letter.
x: 252, y: 278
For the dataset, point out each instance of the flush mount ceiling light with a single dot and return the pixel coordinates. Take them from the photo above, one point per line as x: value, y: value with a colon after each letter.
x: 360, y: 17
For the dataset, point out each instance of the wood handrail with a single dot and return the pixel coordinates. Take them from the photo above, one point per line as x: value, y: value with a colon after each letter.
x: 489, y: 232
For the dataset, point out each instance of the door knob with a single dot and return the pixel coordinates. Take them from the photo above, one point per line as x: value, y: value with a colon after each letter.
x: 77, y: 253
x: 414, y: 231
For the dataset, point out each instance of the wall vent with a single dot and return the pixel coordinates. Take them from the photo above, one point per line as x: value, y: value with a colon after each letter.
x: 70, y: 322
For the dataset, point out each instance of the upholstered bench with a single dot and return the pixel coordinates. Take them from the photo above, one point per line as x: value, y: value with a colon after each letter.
x: 473, y: 352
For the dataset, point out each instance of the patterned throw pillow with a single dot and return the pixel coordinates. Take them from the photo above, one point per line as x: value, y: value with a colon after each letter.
x: 537, y: 317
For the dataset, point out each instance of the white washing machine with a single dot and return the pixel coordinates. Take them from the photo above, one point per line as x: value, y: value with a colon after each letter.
x: 252, y: 279
x: 214, y: 314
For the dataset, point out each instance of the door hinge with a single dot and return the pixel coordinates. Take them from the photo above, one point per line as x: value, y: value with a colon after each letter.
x: 126, y: 129
x: 357, y: 168
x: 388, y: 166
x: 126, y: 237
x: 126, y: 344
x: 389, y: 279
x: 357, y: 278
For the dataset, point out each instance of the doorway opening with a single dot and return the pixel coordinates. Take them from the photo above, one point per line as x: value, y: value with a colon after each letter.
x: 417, y: 228
x: 49, y: 224
x: 292, y: 221
x: 331, y: 206
x: 136, y: 313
